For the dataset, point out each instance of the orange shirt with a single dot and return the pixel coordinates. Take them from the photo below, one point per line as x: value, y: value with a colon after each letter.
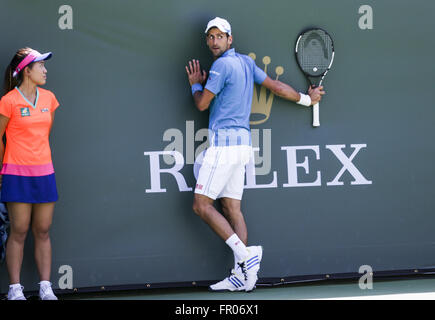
x: 27, y: 145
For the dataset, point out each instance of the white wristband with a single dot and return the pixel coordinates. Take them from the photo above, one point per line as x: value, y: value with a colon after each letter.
x: 305, y: 100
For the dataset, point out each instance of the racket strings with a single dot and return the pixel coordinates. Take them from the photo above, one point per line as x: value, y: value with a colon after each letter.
x: 315, y: 52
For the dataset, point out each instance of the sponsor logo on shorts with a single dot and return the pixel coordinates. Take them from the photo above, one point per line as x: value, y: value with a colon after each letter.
x: 199, y: 186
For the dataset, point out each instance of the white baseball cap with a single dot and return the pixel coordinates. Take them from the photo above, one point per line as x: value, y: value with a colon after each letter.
x: 222, y: 24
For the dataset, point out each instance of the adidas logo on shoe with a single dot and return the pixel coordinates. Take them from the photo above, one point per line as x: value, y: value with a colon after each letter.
x: 234, y: 282
x: 250, y: 266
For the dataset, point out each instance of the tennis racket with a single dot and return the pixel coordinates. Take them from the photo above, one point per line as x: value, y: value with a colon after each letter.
x: 315, y: 54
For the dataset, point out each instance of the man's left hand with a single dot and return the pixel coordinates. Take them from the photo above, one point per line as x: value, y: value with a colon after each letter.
x: 194, y: 73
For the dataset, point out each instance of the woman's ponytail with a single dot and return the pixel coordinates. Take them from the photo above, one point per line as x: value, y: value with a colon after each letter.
x: 10, y: 82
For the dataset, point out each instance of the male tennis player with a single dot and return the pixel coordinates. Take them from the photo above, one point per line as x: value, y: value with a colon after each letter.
x: 228, y: 93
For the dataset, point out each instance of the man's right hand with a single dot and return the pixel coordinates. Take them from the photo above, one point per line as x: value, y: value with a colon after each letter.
x: 315, y: 94
x: 194, y: 73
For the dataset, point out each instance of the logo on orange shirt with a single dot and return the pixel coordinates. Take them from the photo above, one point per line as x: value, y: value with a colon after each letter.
x: 25, y: 112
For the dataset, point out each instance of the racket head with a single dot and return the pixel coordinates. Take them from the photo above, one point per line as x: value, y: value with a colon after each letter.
x: 314, y: 53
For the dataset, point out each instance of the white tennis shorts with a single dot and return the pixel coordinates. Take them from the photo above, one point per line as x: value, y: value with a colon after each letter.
x: 222, y: 174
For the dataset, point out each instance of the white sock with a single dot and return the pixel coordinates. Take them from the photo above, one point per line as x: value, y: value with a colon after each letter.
x: 15, y: 285
x: 236, y: 259
x: 45, y: 283
x: 238, y: 247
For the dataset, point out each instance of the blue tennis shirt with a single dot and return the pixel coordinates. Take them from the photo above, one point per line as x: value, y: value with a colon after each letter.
x: 231, y: 79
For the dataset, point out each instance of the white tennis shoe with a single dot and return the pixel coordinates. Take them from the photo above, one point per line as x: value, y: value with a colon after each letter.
x: 250, y: 266
x: 45, y: 291
x: 234, y: 282
x: 16, y: 292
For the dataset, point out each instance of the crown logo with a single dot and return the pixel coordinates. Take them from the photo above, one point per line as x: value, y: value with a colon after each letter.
x: 262, y: 103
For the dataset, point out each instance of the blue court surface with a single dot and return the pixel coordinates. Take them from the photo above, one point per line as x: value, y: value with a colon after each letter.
x: 417, y: 288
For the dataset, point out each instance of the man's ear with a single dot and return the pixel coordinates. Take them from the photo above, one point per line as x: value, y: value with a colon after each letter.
x: 230, y: 40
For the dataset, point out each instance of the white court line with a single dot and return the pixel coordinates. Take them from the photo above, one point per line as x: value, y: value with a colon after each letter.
x: 402, y: 296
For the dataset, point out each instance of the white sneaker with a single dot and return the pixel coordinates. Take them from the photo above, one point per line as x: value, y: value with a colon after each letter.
x: 234, y: 282
x: 250, y: 266
x: 45, y: 291
x: 16, y: 292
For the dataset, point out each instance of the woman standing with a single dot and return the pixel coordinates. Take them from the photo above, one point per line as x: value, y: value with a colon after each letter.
x: 28, y: 184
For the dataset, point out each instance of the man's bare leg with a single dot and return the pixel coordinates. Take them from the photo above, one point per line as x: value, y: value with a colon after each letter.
x: 203, y: 207
x: 233, y: 214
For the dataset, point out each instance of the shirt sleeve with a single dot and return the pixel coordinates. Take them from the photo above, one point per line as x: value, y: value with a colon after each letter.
x: 5, y: 107
x: 54, y: 102
x: 217, y: 76
x: 259, y: 75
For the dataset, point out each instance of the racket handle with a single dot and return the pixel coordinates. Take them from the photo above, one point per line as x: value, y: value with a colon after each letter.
x: 316, y: 121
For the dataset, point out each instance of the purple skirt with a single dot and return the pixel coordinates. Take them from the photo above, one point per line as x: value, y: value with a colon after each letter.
x: 29, y: 189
